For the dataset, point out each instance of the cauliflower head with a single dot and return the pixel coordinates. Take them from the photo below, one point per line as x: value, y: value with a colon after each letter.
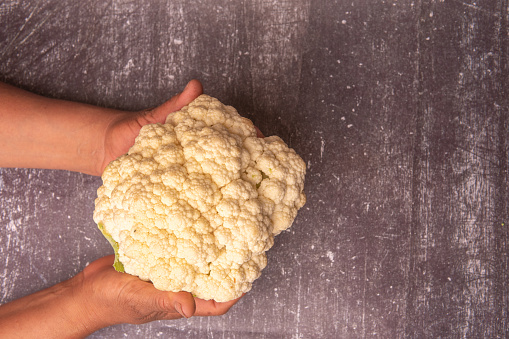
x: 196, y: 202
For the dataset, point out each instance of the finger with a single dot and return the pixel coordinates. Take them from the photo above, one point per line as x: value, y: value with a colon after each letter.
x: 184, y: 303
x: 212, y: 307
x: 259, y: 133
x: 192, y: 90
x: 99, y: 264
x: 181, y: 302
x: 104, y: 261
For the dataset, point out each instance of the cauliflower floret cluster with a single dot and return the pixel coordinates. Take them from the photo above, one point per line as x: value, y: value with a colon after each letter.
x: 196, y: 202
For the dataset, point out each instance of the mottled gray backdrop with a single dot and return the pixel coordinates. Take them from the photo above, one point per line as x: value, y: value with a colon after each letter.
x: 399, y: 108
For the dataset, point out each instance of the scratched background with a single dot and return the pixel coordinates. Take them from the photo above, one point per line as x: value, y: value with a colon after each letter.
x: 399, y: 108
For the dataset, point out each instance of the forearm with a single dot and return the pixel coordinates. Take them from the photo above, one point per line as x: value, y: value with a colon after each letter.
x: 39, y: 132
x: 56, y: 312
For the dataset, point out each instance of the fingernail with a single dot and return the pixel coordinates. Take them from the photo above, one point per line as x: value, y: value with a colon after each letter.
x: 178, y: 308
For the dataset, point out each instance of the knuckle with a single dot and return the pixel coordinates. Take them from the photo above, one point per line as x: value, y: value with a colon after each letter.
x: 163, y: 304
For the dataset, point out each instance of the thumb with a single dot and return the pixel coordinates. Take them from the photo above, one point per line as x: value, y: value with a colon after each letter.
x: 192, y: 90
x: 181, y: 302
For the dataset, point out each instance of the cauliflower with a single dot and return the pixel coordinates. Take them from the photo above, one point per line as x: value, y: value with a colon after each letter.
x: 196, y: 202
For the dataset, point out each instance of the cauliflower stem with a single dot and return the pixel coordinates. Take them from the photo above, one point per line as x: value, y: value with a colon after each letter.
x: 117, y: 264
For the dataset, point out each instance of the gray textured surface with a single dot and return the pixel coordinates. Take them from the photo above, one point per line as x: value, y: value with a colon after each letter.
x: 399, y: 109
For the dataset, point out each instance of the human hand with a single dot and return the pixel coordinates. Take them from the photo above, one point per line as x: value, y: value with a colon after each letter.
x: 122, y: 131
x: 60, y: 134
x: 97, y: 297
x: 109, y: 297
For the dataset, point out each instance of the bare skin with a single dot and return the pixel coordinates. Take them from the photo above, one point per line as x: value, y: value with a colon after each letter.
x: 38, y: 132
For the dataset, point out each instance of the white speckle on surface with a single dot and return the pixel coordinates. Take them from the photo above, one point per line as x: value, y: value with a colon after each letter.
x: 130, y: 64
x: 11, y: 227
x: 322, y: 148
x: 43, y: 279
x: 330, y: 255
x: 275, y: 35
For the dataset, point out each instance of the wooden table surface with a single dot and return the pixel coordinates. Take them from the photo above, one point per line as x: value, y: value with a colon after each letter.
x: 399, y: 108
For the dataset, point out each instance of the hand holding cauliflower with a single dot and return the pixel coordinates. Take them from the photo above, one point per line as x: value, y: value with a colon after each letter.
x: 196, y: 202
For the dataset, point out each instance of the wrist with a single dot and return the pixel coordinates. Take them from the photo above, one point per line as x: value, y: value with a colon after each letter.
x: 51, y: 133
x: 83, y: 311
x: 118, y: 135
x: 93, y: 151
x: 100, y: 134
x: 58, y: 311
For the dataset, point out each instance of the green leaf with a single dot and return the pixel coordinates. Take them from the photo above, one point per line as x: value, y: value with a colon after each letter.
x: 117, y: 265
